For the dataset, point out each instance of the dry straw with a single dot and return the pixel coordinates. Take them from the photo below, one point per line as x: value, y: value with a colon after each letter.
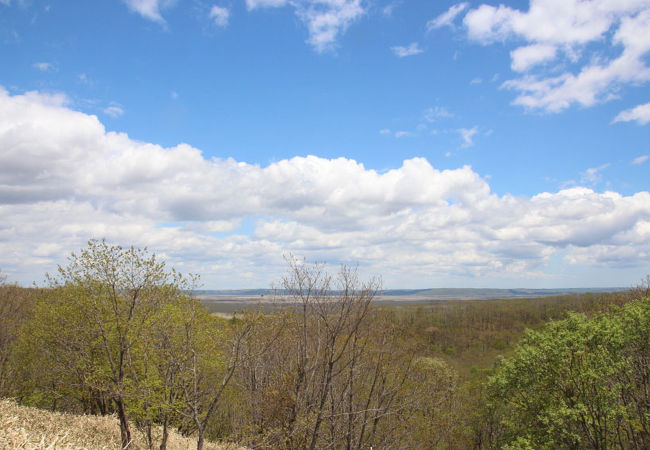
x: 27, y: 428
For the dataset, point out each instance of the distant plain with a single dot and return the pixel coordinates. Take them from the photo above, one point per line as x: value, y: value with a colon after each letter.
x: 230, y: 301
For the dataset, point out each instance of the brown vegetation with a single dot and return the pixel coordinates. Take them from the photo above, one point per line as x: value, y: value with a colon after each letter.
x: 116, y: 335
x: 32, y: 428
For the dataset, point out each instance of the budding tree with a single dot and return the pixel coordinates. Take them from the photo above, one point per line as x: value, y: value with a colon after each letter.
x: 112, y: 295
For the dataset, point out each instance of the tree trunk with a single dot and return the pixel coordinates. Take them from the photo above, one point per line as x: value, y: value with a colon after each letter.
x: 149, y: 435
x: 319, y: 417
x: 165, y: 434
x: 199, y: 443
x: 125, y: 431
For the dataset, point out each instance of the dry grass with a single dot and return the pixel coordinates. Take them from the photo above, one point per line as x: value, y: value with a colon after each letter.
x: 22, y: 427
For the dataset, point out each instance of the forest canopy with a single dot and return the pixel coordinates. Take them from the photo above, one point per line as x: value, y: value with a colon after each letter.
x: 118, y: 332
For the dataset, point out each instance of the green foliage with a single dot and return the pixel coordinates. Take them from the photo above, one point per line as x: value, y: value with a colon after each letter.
x: 577, y: 383
x: 15, y: 308
x: 115, y: 332
x: 470, y: 333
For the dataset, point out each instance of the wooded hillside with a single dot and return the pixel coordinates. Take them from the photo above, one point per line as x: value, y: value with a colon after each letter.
x: 116, y: 334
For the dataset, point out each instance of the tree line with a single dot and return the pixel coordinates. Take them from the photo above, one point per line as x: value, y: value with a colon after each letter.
x: 117, y: 332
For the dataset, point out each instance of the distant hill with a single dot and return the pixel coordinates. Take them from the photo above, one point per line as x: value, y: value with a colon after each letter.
x: 428, y: 294
x: 484, y: 293
x: 236, y: 292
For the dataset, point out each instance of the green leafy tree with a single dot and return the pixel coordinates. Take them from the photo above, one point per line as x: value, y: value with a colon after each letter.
x: 97, y: 316
x: 210, y: 354
x: 578, y: 383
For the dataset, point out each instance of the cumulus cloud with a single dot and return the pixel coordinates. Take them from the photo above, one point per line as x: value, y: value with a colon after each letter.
x: 219, y: 15
x: 566, y: 41
x: 149, y: 9
x: 640, y: 114
x: 412, y: 49
x: 65, y: 179
x: 447, y: 18
x: 524, y: 58
x: 326, y: 20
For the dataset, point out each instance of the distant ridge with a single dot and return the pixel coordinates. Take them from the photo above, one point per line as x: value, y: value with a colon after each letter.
x: 433, y: 293
x: 479, y: 293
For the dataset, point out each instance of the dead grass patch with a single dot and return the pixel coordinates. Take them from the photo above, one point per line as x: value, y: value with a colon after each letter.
x: 28, y: 428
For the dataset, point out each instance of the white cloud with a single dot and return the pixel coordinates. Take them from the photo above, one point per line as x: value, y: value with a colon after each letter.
x: 476, y: 80
x: 467, y: 135
x: 253, y: 4
x: 114, y: 110
x: 524, y: 58
x: 447, y: 18
x: 326, y: 20
x: 401, y: 134
x: 640, y: 113
x: 551, y: 21
x: 220, y: 15
x: 412, y: 49
x: 640, y: 159
x: 569, y: 33
x: 150, y: 9
x: 388, y: 9
x: 593, y: 175
x: 435, y: 113
x: 384, y: 131
x: 65, y: 179
x: 44, y: 66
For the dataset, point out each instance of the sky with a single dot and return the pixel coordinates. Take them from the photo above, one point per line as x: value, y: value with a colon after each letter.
x: 433, y: 143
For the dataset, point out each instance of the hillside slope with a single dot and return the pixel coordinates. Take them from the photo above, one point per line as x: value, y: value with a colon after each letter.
x: 31, y: 428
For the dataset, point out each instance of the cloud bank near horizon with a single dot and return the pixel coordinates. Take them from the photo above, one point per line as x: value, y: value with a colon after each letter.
x: 64, y: 179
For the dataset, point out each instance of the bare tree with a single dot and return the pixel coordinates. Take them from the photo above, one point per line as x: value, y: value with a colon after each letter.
x: 328, y: 320
x: 339, y: 374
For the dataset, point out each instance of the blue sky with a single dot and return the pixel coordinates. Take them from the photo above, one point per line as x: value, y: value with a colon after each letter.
x: 434, y: 143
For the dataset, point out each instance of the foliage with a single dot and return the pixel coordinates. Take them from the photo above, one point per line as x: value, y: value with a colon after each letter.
x: 116, y: 332
x: 15, y: 307
x: 578, y: 383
